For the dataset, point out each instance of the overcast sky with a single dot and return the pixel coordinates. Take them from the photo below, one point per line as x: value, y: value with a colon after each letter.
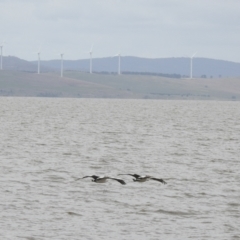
x: 144, y: 28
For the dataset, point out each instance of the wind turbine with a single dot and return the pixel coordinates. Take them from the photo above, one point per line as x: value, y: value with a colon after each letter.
x: 1, y: 46
x: 61, y: 55
x: 119, y: 63
x: 90, y: 67
x: 38, y: 53
x: 191, y: 64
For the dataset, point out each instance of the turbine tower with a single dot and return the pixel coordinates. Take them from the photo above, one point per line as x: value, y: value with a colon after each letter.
x: 38, y: 62
x: 119, y: 64
x: 191, y: 64
x: 61, y: 54
x: 90, y: 67
x: 1, y: 46
x: 38, y: 54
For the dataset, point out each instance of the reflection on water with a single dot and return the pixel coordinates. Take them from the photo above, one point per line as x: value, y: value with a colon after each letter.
x: 47, y: 143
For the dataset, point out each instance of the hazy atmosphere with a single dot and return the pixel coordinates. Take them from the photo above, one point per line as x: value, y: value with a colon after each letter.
x: 153, y: 28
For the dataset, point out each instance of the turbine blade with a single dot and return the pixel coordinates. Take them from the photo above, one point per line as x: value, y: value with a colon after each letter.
x: 194, y: 54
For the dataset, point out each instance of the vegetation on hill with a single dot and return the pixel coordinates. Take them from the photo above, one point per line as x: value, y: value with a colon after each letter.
x: 84, y: 85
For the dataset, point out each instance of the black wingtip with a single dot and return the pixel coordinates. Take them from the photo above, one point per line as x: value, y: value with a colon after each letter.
x: 159, y: 180
x: 122, y: 182
x: 119, y: 180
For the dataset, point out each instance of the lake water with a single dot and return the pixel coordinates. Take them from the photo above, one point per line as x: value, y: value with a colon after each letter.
x: 47, y: 143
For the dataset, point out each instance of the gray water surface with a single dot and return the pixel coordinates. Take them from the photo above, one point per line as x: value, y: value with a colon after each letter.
x: 47, y: 143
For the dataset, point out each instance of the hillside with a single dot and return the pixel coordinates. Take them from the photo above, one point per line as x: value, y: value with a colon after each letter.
x: 211, y: 68
x: 83, y: 85
x: 14, y: 83
x: 17, y: 64
x: 169, y: 67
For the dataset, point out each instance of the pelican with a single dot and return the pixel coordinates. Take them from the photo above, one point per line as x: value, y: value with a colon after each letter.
x: 139, y: 178
x: 103, y: 179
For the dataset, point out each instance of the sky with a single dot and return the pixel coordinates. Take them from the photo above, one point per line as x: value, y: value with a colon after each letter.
x: 142, y: 28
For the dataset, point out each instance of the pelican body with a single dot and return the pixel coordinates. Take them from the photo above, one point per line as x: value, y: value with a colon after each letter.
x: 98, y: 179
x: 139, y: 178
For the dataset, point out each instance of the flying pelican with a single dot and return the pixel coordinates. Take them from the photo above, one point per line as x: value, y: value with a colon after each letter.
x: 103, y: 179
x: 139, y: 178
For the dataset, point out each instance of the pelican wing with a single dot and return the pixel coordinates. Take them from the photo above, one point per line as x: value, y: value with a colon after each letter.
x: 93, y: 176
x: 133, y: 175
x: 119, y: 180
x: 159, y: 180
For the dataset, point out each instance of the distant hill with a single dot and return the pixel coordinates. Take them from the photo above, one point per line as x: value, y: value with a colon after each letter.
x: 202, y: 67
x: 77, y: 84
x: 17, y: 64
x: 169, y: 67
